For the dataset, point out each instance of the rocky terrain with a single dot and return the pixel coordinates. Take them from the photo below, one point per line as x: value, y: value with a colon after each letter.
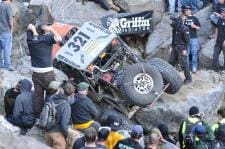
x: 206, y: 91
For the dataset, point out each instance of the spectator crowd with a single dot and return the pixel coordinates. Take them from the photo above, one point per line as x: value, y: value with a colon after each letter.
x: 70, y: 118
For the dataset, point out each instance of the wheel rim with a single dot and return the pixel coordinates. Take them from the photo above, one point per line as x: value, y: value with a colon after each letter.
x: 143, y: 83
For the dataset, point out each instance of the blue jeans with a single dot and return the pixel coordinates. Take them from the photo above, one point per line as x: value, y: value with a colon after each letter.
x: 192, y: 49
x: 194, y: 4
x: 172, y: 4
x: 5, y: 49
x: 214, y: 19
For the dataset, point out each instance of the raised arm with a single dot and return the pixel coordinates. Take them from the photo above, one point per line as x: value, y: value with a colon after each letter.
x: 57, y: 37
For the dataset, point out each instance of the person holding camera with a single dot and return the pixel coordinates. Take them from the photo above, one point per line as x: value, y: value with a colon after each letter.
x: 187, y: 137
x: 133, y: 141
x: 192, y: 51
x: 40, y: 41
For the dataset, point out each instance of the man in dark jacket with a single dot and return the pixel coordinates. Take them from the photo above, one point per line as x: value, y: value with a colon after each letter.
x: 180, y: 41
x: 83, y: 110
x: 220, y: 43
x: 23, y: 108
x: 10, y: 98
x: 57, y: 135
x: 40, y: 41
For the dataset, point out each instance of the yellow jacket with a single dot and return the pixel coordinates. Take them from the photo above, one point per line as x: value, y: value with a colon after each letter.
x: 113, y: 138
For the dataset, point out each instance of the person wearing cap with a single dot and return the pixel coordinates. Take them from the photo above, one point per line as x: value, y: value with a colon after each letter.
x: 200, y: 133
x: 40, y: 41
x: 156, y: 141
x: 23, y: 108
x: 180, y: 41
x: 133, y: 141
x: 194, y: 25
x: 10, y: 97
x: 114, y: 137
x: 57, y: 135
x: 220, y: 43
x: 84, y: 111
x: 195, y: 118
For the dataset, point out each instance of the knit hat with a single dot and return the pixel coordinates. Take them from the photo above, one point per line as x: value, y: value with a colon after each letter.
x: 54, y: 85
x: 82, y: 86
x: 193, y: 110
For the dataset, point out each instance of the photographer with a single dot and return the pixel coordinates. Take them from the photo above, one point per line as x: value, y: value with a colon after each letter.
x: 187, y: 129
x: 40, y: 41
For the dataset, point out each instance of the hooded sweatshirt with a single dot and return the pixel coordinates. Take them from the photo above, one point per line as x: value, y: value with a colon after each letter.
x: 24, y: 101
x: 63, y: 114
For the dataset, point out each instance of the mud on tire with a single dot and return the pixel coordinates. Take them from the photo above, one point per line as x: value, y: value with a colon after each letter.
x: 169, y: 74
x: 140, y: 83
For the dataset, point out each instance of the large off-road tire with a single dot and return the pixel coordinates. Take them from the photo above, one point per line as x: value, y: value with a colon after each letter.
x: 126, y: 123
x: 169, y: 73
x: 140, y: 84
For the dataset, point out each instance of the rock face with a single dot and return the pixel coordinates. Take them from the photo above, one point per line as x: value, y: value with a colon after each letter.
x: 206, y: 55
x: 8, y: 128
x: 73, y: 12
x: 158, y: 6
x: 206, y: 92
x: 23, y: 17
x: 10, y: 138
x: 161, y: 35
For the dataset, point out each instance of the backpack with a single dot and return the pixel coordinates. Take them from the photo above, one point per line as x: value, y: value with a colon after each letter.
x: 189, y: 137
x: 48, y: 115
x: 220, y: 133
x: 215, y: 145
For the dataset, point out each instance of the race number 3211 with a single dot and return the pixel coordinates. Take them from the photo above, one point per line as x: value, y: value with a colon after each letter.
x: 78, y: 41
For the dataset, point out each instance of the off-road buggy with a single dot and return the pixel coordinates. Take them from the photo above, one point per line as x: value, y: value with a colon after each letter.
x: 116, y: 74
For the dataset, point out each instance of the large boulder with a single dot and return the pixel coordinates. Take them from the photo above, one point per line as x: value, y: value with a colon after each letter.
x: 160, y: 39
x: 22, y: 17
x: 206, y: 92
x: 10, y: 138
x: 206, y: 54
x: 6, y: 127
x: 73, y: 12
x: 141, y: 5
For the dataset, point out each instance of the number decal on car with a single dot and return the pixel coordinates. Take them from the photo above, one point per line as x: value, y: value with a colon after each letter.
x: 78, y: 41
